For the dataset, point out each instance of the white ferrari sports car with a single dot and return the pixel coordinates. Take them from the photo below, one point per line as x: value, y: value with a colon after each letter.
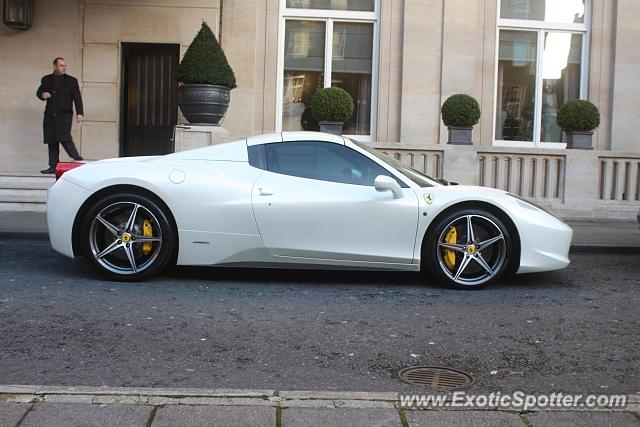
x: 295, y: 200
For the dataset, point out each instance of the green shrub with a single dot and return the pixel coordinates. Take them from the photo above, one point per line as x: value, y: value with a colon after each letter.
x: 332, y: 104
x: 204, y: 62
x: 578, y: 115
x: 460, y: 110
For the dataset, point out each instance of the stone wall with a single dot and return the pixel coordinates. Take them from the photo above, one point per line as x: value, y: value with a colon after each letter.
x: 107, y: 24
x: 449, y: 47
x: 88, y: 34
x: 26, y: 57
x: 429, y: 49
x: 249, y: 38
x: 626, y: 80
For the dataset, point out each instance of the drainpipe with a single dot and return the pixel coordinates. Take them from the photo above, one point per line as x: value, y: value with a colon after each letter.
x: 220, y: 24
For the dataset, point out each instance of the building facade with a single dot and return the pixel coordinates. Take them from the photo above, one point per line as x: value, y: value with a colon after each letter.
x: 521, y: 59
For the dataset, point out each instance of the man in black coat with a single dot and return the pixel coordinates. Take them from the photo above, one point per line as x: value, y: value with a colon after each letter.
x: 60, y: 91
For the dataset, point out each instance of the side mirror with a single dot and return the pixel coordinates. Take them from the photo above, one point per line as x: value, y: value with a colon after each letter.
x: 386, y: 183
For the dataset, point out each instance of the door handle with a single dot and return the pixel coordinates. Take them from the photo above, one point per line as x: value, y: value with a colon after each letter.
x: 261, y: 192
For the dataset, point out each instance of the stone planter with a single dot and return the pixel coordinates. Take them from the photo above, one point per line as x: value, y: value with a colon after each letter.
x: 580, y: 140
x: 459, y: 135
x: 203, y: 104
x: 331, y: 127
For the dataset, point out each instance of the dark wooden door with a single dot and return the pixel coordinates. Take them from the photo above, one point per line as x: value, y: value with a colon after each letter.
x: 149, y: 98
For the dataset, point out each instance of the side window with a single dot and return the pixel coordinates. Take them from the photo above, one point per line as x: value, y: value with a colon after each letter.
x: 257, y: 157
x: 292, y: 158
x: 323, y: 161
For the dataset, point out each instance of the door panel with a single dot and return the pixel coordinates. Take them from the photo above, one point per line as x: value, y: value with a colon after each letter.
x: 302, y: 217
x: 149, y: 98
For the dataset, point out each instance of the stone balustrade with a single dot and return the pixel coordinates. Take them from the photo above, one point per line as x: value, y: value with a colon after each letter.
x: 576, y: 184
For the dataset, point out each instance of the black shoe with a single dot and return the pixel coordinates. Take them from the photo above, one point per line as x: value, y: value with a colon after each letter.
x: 78, y: 159
x: 51, y: 170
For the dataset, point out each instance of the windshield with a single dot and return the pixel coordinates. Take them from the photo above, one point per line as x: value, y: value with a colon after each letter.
x: 416, y: 176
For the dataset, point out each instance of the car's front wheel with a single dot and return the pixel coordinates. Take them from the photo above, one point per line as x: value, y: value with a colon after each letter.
x: 127, y: 237
x: 469, y: 248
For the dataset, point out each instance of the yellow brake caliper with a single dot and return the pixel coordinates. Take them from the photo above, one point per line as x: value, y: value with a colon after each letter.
x: 147, y: 231
x: 449, y: 254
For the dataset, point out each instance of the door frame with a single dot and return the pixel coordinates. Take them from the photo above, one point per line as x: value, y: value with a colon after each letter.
x: 122, y: 86
x: 263, y: 206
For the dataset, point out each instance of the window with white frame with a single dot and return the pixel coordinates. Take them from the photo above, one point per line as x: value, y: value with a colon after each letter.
x: 541, y: 64
x: 327, y: 43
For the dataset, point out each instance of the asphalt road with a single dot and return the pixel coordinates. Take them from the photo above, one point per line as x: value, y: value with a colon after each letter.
x: 574, y: 330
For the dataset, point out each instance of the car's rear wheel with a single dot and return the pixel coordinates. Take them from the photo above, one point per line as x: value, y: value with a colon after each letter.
x: 469, y: 248
x: 127, y: 237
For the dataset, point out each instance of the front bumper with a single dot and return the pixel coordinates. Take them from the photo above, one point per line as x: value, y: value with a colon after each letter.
x: 544, y: 242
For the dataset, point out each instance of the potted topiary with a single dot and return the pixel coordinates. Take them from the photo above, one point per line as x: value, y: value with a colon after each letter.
x: 331, y: 106
x: 206, y: 79
x: 459, y: 113
x: 578, y: 119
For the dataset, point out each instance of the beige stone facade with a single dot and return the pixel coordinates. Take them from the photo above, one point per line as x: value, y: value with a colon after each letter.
x: 426, y: 51
x: 89, y: 35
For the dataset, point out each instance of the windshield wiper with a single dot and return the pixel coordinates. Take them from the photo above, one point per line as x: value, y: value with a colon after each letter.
x: 445, y: 182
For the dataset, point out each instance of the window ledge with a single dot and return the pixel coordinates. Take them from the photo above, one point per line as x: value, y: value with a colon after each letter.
x: 529, y: 144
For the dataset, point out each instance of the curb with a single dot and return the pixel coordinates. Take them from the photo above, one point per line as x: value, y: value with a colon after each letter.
x: 604, y: 249
x: 193, y: 396
x: 581, y: 248
x: 41, y: 235
x: 233, y: 397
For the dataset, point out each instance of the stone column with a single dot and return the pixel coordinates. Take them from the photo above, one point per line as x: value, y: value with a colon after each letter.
x: 624, y: 132
x: 189, y: 137
x: 462, y: 70
x: 460, y: 164
x: 581, y: 183
x: 421, y: 71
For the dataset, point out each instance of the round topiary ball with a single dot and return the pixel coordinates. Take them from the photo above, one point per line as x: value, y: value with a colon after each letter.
x: 578, y: 115
x: 460, y: 110
x: 332, y: 104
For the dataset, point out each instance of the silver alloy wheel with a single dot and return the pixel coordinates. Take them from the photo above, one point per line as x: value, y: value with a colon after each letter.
x: 480, y: 254
x: 116, y: 238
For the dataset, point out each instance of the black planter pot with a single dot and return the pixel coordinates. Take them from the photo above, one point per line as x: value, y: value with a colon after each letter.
x: 203, y: 104
x: 459, y: 135
x: 580, y: 140
x: 331, y: 127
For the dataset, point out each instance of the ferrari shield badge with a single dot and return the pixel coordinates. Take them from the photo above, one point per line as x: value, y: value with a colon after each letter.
x: 429, y: 198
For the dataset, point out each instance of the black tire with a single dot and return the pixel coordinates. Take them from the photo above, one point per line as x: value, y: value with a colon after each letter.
x: 481, y: 264
x: 149, y: 258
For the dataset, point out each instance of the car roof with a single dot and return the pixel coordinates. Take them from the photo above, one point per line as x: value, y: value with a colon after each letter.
x: 295, y: 136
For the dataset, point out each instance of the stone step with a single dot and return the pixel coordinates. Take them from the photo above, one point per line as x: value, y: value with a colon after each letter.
x: 24, y: 192
x: 21, y: 195
x: 26, y: 182
x: 22, y: 207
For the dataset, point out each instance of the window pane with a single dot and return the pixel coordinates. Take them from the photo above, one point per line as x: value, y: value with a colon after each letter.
x: 292, y: 158
x: 558, y: 11
x: 303, y: 69
x: 358, y: 5
x: 323, y: 161
x: 561, y: 79
x: 351, y: 71
x: 416, y: 176
x: 516, y: 85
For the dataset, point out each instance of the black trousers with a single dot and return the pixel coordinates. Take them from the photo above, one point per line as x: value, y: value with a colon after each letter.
x: 54, y: 152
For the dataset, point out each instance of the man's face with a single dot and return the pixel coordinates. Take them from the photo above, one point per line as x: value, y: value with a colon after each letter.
x: 60, y: 67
